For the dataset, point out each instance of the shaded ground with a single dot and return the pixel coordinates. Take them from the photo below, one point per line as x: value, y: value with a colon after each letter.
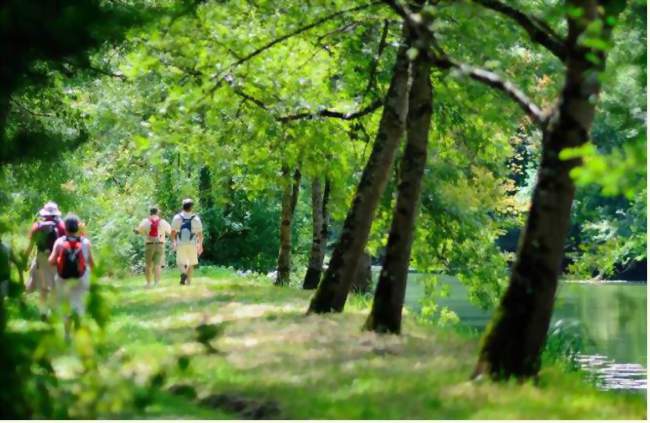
x: 269, y: 360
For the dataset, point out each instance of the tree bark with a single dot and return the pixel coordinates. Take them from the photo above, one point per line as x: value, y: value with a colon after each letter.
x: 386, y: 313
x: 333, y: 290
x: 317, y: 254
x: 289, y: 201
x: 363, y: 279
x: 514, y: 340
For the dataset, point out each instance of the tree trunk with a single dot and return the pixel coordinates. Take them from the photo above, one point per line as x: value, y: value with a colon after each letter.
x: 363, y: 279
x: 386, y: 313
x: 317, y: 254
x: 333, y: 290
x: 326, y: 214
x: 513, y: 343
x: 289, y: 201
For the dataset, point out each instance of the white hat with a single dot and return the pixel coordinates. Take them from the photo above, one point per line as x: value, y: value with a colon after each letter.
x: 50, y: 209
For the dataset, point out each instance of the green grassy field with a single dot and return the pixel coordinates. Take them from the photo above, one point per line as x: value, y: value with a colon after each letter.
x: 271, y: 361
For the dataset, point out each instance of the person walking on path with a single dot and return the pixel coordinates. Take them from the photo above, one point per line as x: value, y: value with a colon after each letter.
x: 73, y: 259
x: 187, y: 240
x: 43, y: 235
x: 154, y: 229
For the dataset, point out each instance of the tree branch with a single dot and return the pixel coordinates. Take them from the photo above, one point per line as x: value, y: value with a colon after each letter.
x: 440, y: 59
x: 334, y: 114
x: 372, y: 77
x: 89, y: 67
x: 538, y: 30
x: 309, y: 115
x: 220, y: 78
x: 493, y: 80
x: 29, y: 111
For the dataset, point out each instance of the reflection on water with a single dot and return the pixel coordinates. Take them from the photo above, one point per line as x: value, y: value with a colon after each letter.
x: 612, y: 375
x: 611, y: 317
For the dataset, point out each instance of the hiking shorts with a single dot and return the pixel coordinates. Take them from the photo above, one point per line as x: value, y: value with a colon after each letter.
x: 73, y: 292
x: 41, y: 274
x: 153, y: 253
x: 186, y: 256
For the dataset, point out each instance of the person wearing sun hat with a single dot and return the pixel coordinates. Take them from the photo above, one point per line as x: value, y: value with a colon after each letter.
x: 187, y: 240
x: 42, y: 235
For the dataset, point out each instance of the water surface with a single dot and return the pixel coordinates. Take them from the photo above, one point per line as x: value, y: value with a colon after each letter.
x: 611, y: 318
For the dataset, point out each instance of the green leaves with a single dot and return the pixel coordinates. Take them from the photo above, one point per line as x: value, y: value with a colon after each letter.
x: 620, y: 172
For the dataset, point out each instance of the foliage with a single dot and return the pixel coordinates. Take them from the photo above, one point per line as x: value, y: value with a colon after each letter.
x: 50, y: 378
x: 563, y: 344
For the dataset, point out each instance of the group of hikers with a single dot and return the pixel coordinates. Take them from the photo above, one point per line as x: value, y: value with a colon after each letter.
x: 64, y: 259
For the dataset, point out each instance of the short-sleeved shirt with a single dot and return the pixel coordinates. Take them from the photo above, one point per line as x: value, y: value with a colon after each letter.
x: 85, y: 248
x: 197, y: 226
x: 164, y: 228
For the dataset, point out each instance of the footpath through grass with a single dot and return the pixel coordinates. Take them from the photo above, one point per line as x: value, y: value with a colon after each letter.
x: 272, y: 361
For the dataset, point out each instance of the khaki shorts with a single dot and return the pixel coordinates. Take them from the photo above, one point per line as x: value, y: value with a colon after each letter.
x: 41, y: 274
x: 186, y: 256
x: 153, y: 253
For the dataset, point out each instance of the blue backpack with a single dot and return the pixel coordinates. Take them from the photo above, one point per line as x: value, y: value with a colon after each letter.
x: 185, y: 233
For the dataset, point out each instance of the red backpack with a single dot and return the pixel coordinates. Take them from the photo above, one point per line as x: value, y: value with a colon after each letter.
x: 71, y: 263
x: 153, y: 230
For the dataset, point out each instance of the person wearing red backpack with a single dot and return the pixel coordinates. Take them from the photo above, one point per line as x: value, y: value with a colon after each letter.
x: 73, y: 259
x: 154, y: 229
x: 42, y: 235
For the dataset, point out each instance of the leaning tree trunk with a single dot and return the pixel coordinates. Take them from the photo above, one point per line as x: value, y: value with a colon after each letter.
x: 289, y: 201
x: 513, y: 343
x: 326, y: 215
x: 317, y: 254
x: 386, y: 313
x: 363, y: 279
x: 333, y: 290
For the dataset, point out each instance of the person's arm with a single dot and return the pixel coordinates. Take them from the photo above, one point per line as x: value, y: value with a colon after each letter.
x: 91, y: 260
x: 199, y: 243
x: 54, y: 254
x: 173, y: 237
x: 198, y: 231
x: 174, y: 230
x: 140, y: 229
x: 30, y: 247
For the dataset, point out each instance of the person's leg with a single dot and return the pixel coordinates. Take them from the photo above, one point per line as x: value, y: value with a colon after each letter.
x: 148, y: 272
x: 32, y: 281
x: 156, y: 263
x: 77, y: 301
x: 42, y: 282
x: 189, y: 274
x: 192, y: 260
x: 148, y: 262
x: 62, y: 295
x: 181, y: 262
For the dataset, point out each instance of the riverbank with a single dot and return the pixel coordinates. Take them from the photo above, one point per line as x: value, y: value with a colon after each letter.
x: 269, y: 360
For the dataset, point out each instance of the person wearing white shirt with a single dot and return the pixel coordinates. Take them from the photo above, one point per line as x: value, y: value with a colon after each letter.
x: 187, y: 240
x: 154, y: 229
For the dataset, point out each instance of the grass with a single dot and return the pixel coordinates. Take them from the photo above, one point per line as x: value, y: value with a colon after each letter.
x: 269, y: 354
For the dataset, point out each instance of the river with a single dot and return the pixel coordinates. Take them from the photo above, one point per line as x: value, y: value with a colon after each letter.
x: 611, y: 318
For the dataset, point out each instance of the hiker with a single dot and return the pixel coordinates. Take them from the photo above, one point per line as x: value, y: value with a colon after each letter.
x: 73, y: 259
x: 43, y: 234
x: 154, y: 229
x: 187, y: 240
